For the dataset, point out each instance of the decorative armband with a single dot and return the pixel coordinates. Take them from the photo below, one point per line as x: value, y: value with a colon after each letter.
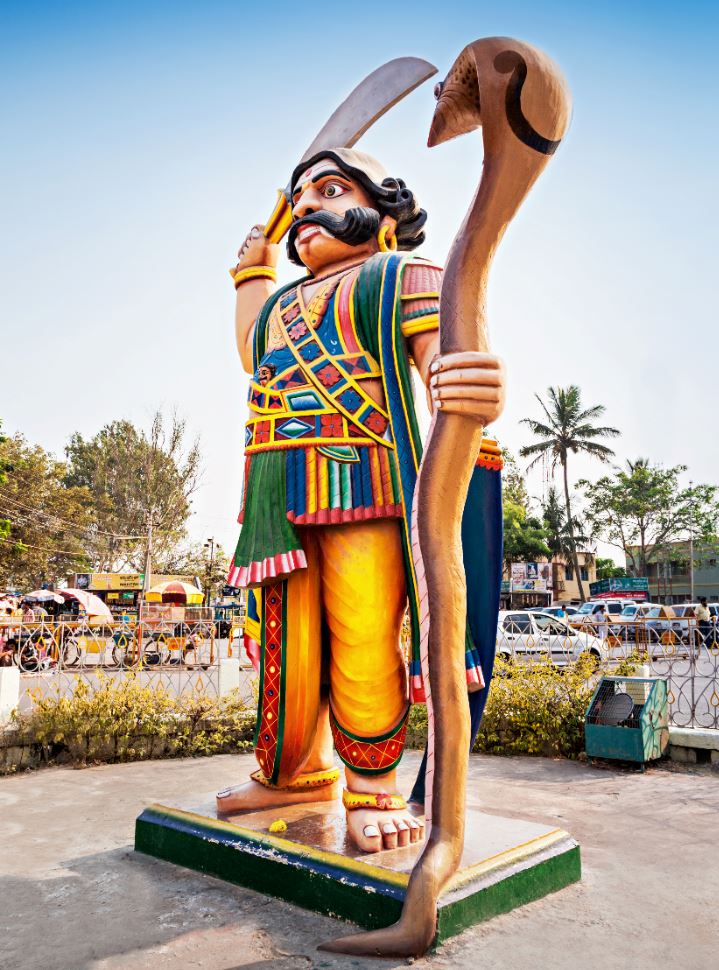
x: 253, y: 273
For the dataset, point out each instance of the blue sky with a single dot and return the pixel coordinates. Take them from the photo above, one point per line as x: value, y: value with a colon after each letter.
x: 143, y: 140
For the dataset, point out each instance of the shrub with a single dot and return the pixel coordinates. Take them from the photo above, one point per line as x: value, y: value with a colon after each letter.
x: 126, y: 721
x: 534, y: 708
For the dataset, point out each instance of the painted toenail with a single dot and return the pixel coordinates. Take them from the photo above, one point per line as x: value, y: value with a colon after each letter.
x: 224, y: 793
x: 388, y: 829
x: 370, y: 831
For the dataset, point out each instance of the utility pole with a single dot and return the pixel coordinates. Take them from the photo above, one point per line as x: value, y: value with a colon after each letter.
x: 147, y: 579
x: 691, y: 545
x: 210, y: 544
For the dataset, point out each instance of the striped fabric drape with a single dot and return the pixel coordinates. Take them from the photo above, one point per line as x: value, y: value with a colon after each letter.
x: 321, y: 490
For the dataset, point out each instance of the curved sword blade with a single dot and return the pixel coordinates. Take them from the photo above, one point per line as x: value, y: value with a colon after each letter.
x: 379, y: 91
x: 372, y: 97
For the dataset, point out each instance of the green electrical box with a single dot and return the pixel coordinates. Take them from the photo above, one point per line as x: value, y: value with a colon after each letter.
x: 627, y: 719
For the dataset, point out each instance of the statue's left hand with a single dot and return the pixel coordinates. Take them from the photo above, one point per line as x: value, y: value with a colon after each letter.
x: 470, y: 383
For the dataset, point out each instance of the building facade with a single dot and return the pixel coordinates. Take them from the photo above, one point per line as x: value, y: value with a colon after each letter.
x: 543, y: 583
x: 566, y: 587
x: 678, y: 573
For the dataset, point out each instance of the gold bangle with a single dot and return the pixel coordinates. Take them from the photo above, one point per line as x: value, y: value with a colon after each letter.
x: 253, y: 273
x: 385, y: 802
x: 312, y: 779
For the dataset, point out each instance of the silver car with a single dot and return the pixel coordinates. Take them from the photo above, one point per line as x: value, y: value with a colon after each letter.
x: 523, y: 635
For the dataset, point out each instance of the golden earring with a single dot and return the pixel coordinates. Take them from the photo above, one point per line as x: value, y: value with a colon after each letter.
x: 382, y: 240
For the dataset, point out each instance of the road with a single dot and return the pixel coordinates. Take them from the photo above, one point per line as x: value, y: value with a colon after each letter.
x: 76, y: 897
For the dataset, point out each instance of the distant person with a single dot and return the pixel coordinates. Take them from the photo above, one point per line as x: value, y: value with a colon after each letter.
x: 601, y: 621
x: 561, y: 612
x: 704, y: 620
x: 6, y: 649
x: 28, y: 613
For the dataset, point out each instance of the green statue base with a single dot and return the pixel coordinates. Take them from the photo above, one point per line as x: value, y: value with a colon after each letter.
x: 506, y: 862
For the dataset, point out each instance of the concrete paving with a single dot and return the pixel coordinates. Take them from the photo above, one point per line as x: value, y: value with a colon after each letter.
x: 74, y: 895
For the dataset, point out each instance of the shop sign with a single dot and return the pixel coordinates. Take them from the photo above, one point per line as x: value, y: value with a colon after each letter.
x: 115, y: 581
x: 631, y: 585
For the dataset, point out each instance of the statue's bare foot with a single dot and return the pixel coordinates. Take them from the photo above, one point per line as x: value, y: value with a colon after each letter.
x: 252, y: 796
x: 373, y: 829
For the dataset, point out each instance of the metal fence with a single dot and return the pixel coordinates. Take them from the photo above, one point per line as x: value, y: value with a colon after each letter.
x: 679, y: 650
x: 182, y: 652
x: 177, y: 649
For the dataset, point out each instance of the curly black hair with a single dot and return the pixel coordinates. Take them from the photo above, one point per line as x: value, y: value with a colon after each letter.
x: 391, y: 198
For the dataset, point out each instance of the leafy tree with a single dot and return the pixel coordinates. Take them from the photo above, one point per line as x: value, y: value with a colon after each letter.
x: 606, y: 569
x: 643, y: 508
x: 195, y: 560
x: 4, y: 468
x: 135, y: 479
x: 514, y: 487
x: 559, y: 536
x: 524, y: 535
x: 47, y: 523
x: 568, y: 428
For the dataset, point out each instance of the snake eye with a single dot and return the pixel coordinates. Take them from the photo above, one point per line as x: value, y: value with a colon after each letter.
x: 438, y: 90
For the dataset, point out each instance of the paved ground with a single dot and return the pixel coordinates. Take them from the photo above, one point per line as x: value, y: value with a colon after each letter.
x: 74, y: 896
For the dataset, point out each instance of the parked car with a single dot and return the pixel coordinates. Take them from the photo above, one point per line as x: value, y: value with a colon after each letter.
x: 665, y: 632
x: 685, y: 619
x: 630, y: 620
x: 687, y: 627
x: 587, y: 610
x: 524, y: 635
x: 560, y: 611
x: 661, y: 619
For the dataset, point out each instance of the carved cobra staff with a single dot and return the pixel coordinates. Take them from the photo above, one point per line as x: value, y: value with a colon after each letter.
x: 522, y: 103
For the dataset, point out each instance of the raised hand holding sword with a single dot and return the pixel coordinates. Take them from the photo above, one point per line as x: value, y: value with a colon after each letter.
x: 336, y: 225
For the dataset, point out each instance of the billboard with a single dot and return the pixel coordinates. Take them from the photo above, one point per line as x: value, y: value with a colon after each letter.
x: 104, y: 582
x: 632, y: 587
x: 536, y: 576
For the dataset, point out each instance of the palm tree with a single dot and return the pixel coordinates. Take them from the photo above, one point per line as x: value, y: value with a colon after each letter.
x: 557, y: 535
x: 568, y: 428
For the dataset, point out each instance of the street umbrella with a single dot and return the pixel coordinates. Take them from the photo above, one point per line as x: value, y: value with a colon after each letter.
x: 93, y: 605
x: 174, y: 592
x: 43, y: 596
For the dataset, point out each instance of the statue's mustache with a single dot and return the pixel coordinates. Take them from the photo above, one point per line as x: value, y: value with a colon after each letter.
x: 356, y: 226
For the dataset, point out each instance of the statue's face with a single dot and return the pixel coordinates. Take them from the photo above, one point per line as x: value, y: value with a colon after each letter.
x: 325, y: 186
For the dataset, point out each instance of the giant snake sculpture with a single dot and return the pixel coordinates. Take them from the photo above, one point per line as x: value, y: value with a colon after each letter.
x: 520, y: 99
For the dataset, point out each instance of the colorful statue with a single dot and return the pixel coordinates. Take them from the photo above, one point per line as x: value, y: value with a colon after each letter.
x: 331, y: 547
x: 332, y: 452
x: 520, y: 99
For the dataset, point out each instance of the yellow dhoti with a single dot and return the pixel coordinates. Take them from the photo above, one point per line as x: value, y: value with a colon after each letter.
x: 336, y: 623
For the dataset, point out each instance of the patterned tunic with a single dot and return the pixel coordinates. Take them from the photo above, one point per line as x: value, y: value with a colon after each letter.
x: 310, y: 399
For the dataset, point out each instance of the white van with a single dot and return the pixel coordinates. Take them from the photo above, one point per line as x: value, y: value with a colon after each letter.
x: 587, y: 611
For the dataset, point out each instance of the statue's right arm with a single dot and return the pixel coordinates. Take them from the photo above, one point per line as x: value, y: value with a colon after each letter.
x: 252, y: 295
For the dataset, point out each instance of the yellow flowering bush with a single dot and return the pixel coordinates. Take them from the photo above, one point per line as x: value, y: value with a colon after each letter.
x: 124, y: 720
x: 533, y: 708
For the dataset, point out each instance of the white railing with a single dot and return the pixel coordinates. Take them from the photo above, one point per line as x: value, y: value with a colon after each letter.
x: 678, y: 649
x: 176, y: 648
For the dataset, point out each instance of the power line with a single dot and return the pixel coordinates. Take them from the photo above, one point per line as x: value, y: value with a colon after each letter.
x: 56, y: 552
x: 23, y: 521
x: 88, y: 530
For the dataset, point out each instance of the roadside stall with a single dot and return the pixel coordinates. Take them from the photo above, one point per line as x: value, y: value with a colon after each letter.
x: 174, y: 627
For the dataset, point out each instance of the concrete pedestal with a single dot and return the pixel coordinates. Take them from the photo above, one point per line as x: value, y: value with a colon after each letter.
x: 506, y: 862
